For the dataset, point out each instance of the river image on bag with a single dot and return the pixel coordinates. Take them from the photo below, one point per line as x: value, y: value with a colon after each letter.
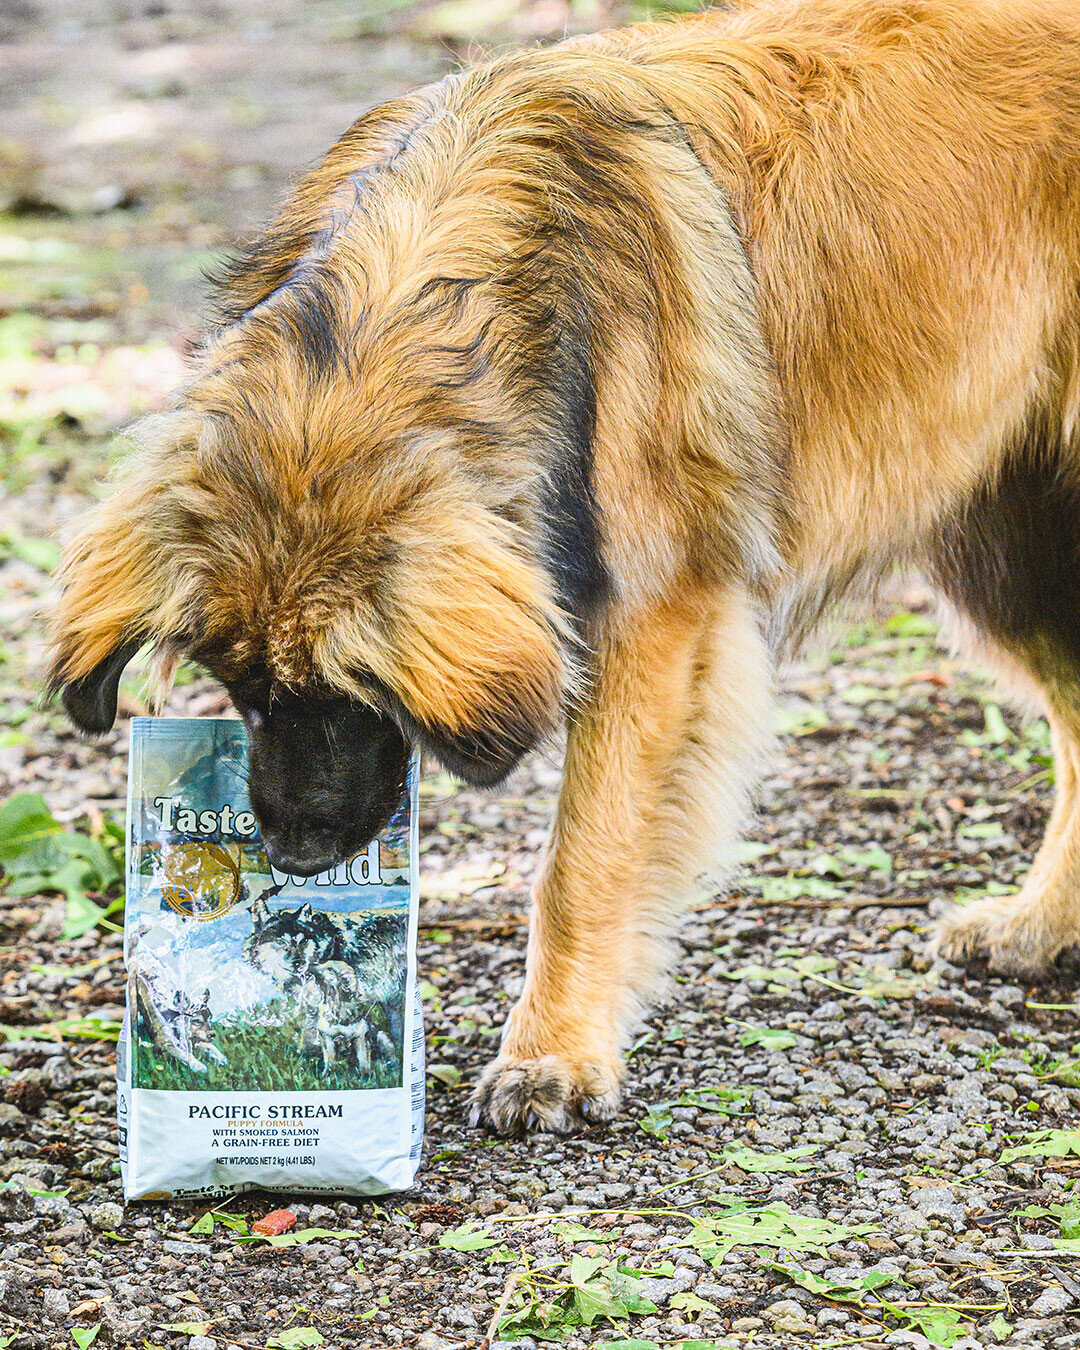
x: 273, y: 1035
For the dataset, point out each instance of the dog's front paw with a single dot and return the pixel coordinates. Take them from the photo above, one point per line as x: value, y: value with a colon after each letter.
x: 1017, y: 936
x: 544, y: 1093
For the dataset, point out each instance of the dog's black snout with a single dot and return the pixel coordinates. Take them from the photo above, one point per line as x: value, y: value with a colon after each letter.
x: 302, y: 849
x: 324, y: 780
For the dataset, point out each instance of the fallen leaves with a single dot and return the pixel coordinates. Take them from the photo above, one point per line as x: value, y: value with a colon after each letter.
x: 776, y: 1225
x: 298, y: 1239
x: 753, y: 1160
x: 69, y: 1028
x: 204, y: 1224
x: 1044, y: 1144
x: 940, y: 1323
x: 295, y: 1338
x: 727, y: 1101
x: 769, y: 1038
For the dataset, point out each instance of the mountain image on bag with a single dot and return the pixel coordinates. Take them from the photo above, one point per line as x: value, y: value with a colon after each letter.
x: 243, y: 980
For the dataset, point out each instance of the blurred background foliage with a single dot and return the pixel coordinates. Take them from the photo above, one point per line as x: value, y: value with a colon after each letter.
x: 140, y: 137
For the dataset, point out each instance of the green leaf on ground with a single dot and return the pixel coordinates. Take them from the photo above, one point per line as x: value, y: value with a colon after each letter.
x: 687, y: 1301
x: 1067, y: 1073
x: 859, y: 695
x: 751, y: 1160
x: 44, y: 554
x: 999, y: 1328
x: 981, y: 829
x: 571, y: 1231
x: 300, y: 1238
x: 205, y: 1222
x: 908, y: 625
x: 784, y: 889
x: 36, y: 1192
x: 938, y: 1323
x: 85, y: 1336
x: 467, y: 1238
x: 775, y: 1225
x: 799, y: 719
x: 770, y: 1037
x: 295, y: 1338
x: 843, y: 1291
x: 725, y: 1101
x: 995, y: 729
x: 657, y: 1120
x: 749, y: 851
x: 550, y: 1300
x: 74, y: 1028
x: 1045, y: 1144
x: 1067, y: 1216
x: 940, y: 1326
x: 38, y: 855
x: 872, y: 856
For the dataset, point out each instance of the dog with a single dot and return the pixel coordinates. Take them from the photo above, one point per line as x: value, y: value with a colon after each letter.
x: 579, y: 387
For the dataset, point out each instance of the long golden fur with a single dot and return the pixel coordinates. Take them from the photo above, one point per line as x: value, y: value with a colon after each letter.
x: 581, y: 384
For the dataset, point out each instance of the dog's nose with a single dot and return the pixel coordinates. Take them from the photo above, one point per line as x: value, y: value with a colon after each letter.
x: 301, y: 854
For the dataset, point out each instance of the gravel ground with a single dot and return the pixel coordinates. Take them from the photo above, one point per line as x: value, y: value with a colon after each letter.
x: 903, y: 1079
x: 817, y: 1095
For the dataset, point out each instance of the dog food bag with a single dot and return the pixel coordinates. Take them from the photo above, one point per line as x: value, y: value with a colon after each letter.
x: 273, y: 1036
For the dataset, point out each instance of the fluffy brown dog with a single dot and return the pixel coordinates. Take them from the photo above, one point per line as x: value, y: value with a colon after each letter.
x: 579, y: 385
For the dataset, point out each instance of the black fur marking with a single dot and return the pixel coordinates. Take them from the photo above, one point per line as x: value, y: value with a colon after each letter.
x: 1011, y: 557
x: 91, y: 701
x: 482, y: 757
x: 572, y: 537
x: 313, y: 318
x: 308, y: 306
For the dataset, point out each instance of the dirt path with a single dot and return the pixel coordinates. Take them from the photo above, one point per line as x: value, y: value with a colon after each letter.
x: 810, y: 1149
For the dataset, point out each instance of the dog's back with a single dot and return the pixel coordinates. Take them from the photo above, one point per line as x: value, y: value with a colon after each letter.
x: 906, y: 174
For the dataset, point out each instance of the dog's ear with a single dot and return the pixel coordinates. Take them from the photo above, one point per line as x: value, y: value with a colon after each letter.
x: 482, y: 755
x: 122, y: 578
x: 469, y: 652
x: 90, y: 701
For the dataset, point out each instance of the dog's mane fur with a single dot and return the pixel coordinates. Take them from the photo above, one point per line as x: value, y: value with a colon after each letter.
x: 416, y: 378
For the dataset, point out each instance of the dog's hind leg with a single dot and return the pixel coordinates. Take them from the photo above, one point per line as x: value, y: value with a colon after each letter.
x: 658, y: 766
x: 1010, y: 563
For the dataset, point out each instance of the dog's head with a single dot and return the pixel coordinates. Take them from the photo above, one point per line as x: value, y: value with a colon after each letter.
x: 350, y: 612
x: 372, y: 514
x: 351, y: 521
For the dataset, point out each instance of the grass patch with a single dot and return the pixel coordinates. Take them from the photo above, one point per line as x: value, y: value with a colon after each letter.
x: 266, y: 1052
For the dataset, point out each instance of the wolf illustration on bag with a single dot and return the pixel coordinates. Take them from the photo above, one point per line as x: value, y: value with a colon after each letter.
x: 349, y: 978
x: 177, y: 1025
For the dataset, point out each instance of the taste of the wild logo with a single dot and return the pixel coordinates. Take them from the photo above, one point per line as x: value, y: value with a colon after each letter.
x: 202, y: 880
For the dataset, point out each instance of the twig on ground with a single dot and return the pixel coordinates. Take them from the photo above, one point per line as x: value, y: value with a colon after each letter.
x: 839, y: 902
x: 507, y: 923
x: 497, y: 1316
